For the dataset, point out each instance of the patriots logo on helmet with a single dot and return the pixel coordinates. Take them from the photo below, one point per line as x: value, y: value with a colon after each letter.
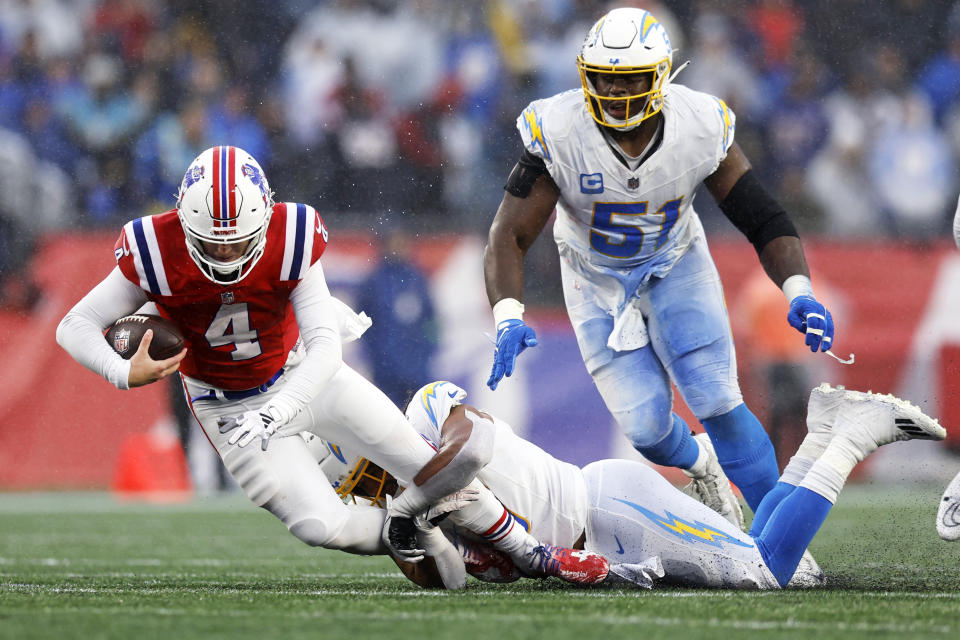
x: 253, y: 173
x: 193, y: 175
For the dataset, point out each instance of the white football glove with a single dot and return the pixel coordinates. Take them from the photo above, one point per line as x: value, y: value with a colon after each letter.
x: 448, y: 504
x: 262, y: 423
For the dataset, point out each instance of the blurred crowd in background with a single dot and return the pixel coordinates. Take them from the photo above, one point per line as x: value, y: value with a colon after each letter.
x: 849, y: 109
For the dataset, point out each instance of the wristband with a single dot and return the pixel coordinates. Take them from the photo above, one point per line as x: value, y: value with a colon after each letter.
x: 797, y: 285
x: 507, y: 309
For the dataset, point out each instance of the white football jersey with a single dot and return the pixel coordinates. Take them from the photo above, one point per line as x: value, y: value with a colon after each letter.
x: 547, y: 496
x: 615, y: 216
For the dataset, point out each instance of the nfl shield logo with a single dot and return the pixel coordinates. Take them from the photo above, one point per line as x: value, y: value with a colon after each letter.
x: 633, y: 183
x: 121, y: 340
x: 227, y: 297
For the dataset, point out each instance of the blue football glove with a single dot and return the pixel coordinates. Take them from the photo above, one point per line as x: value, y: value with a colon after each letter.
x: 812, y: 318
x: 513, y: 336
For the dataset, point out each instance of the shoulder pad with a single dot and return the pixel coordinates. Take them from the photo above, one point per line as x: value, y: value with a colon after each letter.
x: 546, y: 123
x: 138, y: 256
x: 530, y: 124
x: 728, y: 121
x: 305, y: 239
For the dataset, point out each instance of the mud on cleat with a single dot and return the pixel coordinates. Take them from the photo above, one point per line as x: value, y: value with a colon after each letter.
x: 871, y: 420
x: 486, y: 563
x: 808, y: 575
x: 822, y: 407
x: 710, y: 484
x: 948, y: 514
x: 571, y: 565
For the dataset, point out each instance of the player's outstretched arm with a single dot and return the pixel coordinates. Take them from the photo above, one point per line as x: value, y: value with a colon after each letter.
x: 526, y: 207
x: 768, y: 227
x: 467, y: 447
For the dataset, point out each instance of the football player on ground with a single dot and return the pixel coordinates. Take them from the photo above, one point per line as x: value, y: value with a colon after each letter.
x: 241, y: 277
x: 629, y: 513
x: 620, y: 161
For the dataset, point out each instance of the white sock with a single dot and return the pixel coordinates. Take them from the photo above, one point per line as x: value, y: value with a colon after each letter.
x: 796, y: 469
x: 827, y: 475
x: 490, y: 520
x: 699, y: 468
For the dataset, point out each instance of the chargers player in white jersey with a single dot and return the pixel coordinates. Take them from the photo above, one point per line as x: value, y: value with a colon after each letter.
x: 629, y: 513
x: 241, y: 277
x: 620, y: 161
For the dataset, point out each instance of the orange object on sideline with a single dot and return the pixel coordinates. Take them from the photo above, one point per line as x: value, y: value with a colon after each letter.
x: 151, y: 466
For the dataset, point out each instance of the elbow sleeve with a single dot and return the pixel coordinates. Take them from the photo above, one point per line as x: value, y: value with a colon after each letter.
x: 756, y: 213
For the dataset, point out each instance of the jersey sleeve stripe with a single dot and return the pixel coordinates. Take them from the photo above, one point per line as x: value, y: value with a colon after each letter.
x: 287, y: 232
x: 147, y: 260
x: 131, y: 238
x: 298, y: 242
x: 728, y: 126
x: 298, y: 247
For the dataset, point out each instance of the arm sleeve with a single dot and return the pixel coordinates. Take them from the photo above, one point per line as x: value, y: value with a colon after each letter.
x: 756, y: 213
x: 524, y: 174
x: 80, y: 332
x: 318, y: 322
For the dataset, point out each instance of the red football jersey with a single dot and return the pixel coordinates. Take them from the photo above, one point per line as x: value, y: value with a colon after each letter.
x: 237, y: 335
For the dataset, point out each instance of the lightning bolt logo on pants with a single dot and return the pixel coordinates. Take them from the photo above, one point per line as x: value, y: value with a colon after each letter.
x: 695, y: 532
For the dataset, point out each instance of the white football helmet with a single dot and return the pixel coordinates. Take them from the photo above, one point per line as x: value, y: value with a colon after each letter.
x: 353, y: 477
x: 626, y: 41
x: 225, y: 199
x: 432, y: 403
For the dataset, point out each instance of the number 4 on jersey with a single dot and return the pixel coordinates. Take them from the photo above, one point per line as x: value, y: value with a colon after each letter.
x: 231, y: 326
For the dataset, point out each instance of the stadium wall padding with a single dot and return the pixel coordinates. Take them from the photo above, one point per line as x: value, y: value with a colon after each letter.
x: 895, y: 306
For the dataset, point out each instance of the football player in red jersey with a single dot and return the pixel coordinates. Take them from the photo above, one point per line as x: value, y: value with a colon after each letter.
x: 241, y: 278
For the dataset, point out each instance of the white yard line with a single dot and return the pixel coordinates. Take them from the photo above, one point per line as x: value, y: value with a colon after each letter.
x: 448, y: 616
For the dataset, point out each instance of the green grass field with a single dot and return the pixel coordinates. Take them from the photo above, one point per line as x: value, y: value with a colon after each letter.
x: 86, y: 566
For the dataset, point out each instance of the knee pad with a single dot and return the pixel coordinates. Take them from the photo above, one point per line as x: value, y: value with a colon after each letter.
x: 644, y: 413
x: 313, y: 532
x: 647, y: 424
x: 257, y: 481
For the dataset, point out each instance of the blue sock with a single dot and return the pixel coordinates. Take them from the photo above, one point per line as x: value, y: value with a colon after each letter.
x: 745, y: 453
x: 678, y: 449
x: 789, y: 531
x: 767, y: 505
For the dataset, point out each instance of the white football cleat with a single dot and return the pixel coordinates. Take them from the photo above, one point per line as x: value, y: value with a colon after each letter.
x: 948, y: 515
x: 822, y: 407
x: 710, y: 484
x: 808, y: 575
x: 871, y: 420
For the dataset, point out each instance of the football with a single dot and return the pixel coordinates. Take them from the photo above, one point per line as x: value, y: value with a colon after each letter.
x: 125, y: 335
